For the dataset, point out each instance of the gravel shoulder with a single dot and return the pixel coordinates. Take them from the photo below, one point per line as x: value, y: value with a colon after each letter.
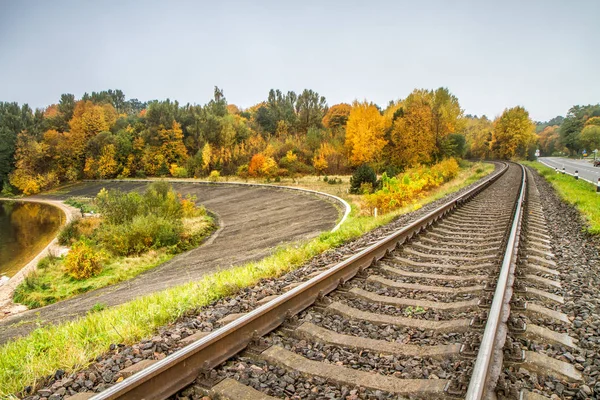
x: 252, y: 220
x: 578, y: 259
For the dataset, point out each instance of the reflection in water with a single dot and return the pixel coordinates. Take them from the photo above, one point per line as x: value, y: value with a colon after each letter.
x: 25, y: 229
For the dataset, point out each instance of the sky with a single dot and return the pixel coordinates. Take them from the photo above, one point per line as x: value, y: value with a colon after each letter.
x: 492, y: 55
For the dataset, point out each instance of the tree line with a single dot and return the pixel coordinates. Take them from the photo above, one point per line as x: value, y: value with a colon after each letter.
x: 105, y: 135
x: 571, y: 135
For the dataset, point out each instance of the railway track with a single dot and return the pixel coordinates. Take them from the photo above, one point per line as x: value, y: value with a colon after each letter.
x: 455, y: 305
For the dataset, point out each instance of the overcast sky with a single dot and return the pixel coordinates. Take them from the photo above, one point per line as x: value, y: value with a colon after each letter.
x: 492, y: 55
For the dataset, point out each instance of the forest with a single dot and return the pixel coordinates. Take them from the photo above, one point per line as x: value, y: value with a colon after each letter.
x: 105, y: 135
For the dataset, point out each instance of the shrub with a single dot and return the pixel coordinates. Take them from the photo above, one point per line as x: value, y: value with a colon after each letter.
x: 47, y: 261
x: 399, y: 191
x: 242, y: 171
x: 83, y: 261
x: 178, y: 172
x: 144, y: 232
x: 69, y: 233
x: 363, y: 174
x: 117, y: 207
x: 214, y: 176
x: 366, y: 188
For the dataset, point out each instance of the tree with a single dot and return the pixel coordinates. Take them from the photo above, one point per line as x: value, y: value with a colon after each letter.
x: 365, y: 131
x: 337, y: 116
x: 549, y: 140
x: 590, y: 137
x: 574, y: 123
x: 478, y: 136
x: 207, y: 155
x: 412, y: 138
x: 513, y: 132
x: 446, y: 117
x: 310, y: 109
x: 13, y: 120
x: 172, y: 147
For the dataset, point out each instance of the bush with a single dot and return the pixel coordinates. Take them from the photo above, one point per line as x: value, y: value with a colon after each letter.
x: 83, y: 261
x: 120, y: 208
x: 242, y: 171
x: 214, y: 176
x: 143, y: 233
x: 399, y: 191
x: 69, y: 233
x: 47, y: 261
x: 178, y: 172
x: 364, y: 174
x: 117, y: 207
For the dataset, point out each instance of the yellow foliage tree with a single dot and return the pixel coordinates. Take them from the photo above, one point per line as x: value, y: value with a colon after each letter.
x: 207, y: 155
x: 337, y: 116
x: 172, y: 147
x: 413, y: 141
x: 478, y: 136
x: 513, y: 132
x: 365, y: 132
x: 107, y: 165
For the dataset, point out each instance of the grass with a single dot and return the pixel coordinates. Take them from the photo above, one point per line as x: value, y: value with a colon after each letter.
x: 578, y: 193
x: 71, y: 345
x: 82, y: 203
x: 49, y: 283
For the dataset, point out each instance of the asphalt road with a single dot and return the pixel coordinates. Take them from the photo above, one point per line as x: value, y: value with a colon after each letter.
x: 585, y: 168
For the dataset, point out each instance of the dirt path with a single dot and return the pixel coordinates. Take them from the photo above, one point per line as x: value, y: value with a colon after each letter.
x: 253, y: 220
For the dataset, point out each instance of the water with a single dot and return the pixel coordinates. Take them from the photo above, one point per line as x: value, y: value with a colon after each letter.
x: 25, y: 229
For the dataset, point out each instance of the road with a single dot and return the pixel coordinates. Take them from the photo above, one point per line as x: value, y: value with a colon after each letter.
x: 585, y: 168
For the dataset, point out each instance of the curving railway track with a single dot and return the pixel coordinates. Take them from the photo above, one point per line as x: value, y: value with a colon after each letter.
x: 455, y: 305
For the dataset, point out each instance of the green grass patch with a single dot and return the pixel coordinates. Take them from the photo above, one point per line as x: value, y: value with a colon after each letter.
x: 50, y: 283
x: 83, y: 204
x: 577, y: 192
x: 71, y: 345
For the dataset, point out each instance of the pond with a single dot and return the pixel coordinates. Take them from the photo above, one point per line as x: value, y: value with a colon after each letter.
x: 25, y: 229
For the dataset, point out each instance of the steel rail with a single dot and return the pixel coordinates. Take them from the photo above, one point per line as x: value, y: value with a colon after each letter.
x: 479, y: 385
x: 180, y: 369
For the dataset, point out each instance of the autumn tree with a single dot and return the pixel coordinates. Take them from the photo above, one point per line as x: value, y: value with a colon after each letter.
x: 513, y: 132
x: 549, y: 140
x: 446, y: 118
x: 365, y: 132
x: 590, y: 137
x: 337, y: 116
x: 13, y: 120
x: 573, y: 124
x: 412, y: 138
x: 478, y: 135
